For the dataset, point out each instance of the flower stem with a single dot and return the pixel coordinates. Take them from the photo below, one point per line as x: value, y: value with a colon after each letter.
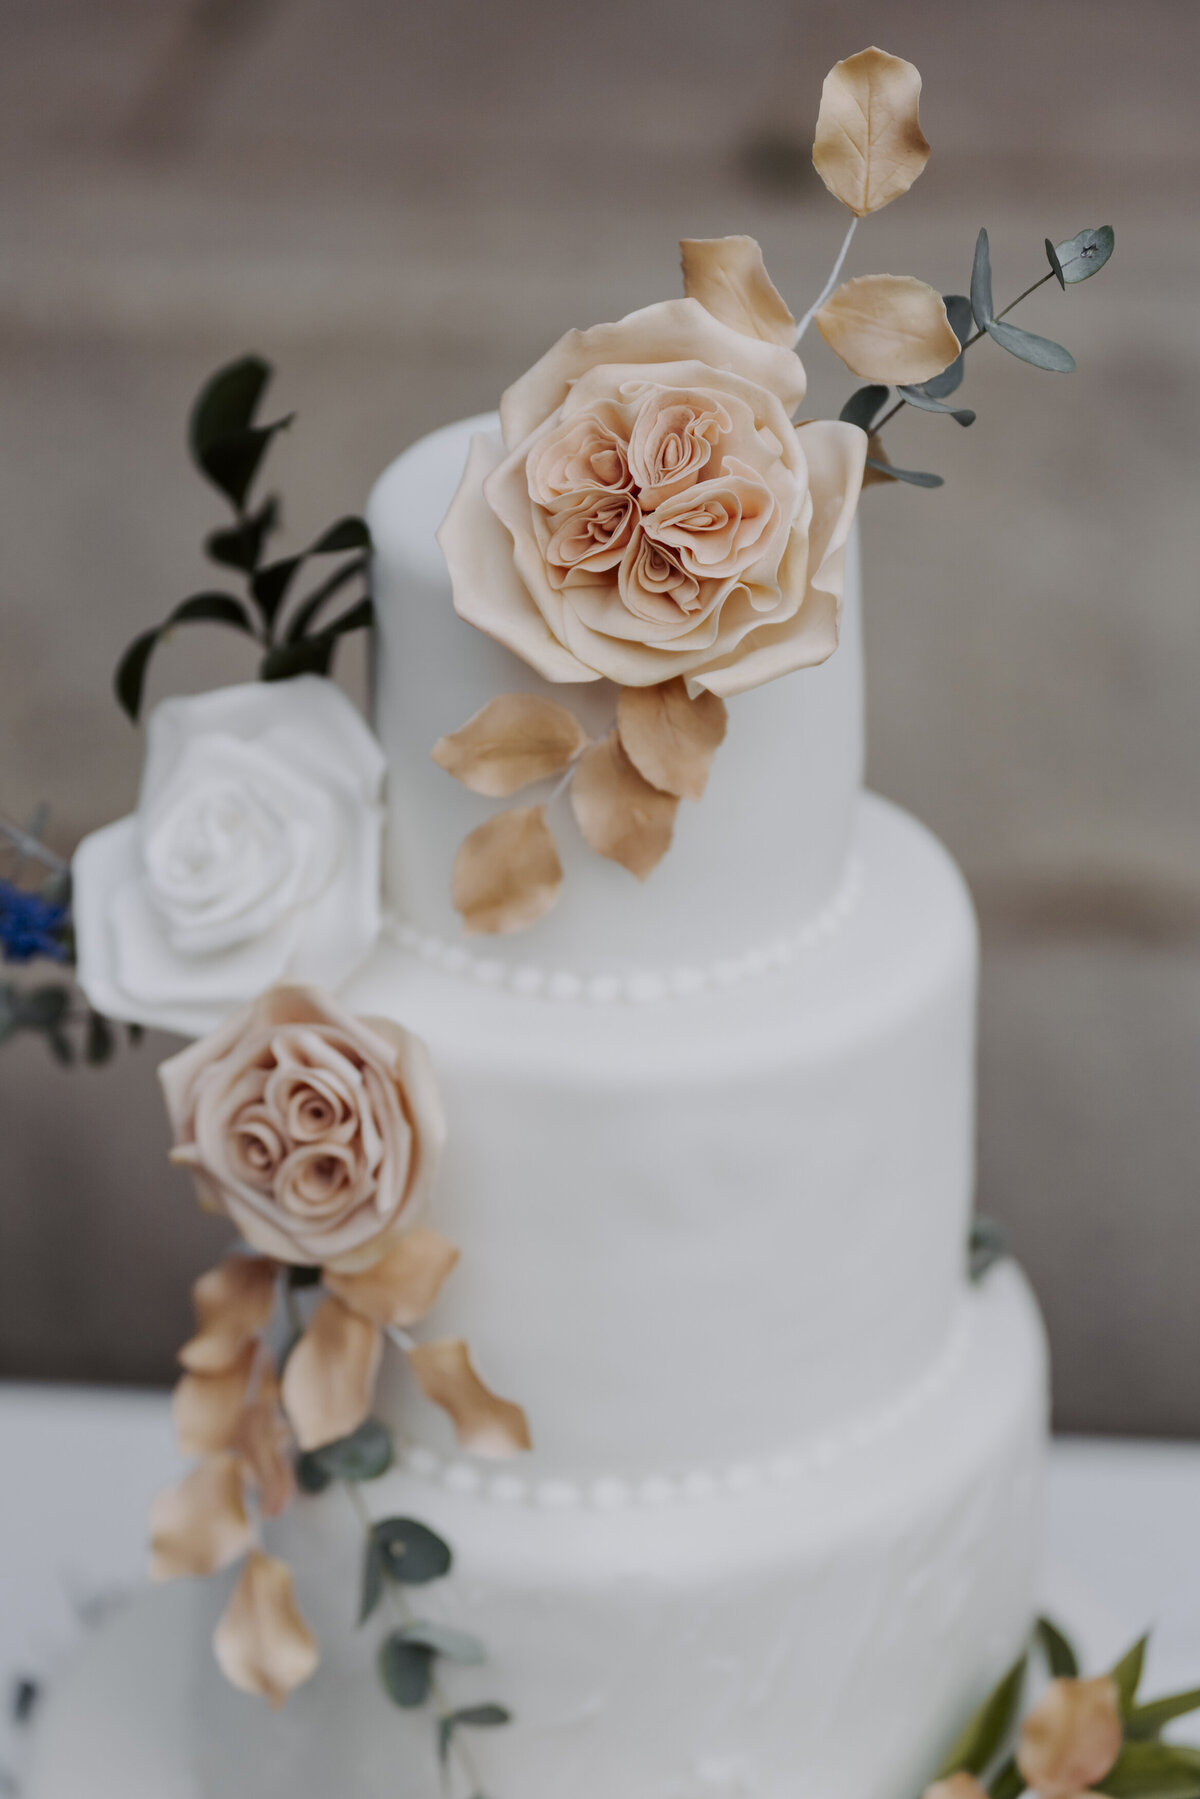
x: 829, y: 286
x: 973, y: 339
x: 31, y: 848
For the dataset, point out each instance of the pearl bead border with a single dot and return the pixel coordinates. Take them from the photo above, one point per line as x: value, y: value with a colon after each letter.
x: 609, y: 1493
x: 644, y: 986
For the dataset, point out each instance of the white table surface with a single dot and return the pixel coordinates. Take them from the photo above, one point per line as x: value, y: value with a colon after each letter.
x: 79, y: 1466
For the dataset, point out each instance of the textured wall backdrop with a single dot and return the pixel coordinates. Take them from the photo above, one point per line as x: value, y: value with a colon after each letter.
x: 402, y: 204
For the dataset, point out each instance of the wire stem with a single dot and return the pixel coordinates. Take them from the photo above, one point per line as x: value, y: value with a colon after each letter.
x: 829, y: 286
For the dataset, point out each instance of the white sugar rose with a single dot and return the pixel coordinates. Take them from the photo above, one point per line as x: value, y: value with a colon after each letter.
x: 254, y: 854
x: 651, y: 511
x: 316, y: 1132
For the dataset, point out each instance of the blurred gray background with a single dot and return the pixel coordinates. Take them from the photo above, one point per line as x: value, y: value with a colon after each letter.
x: 401, y: 205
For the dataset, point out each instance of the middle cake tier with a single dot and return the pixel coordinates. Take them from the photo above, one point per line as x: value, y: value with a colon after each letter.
x: 700, y: 1230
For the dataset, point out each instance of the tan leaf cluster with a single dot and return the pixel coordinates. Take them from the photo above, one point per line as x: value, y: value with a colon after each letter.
x: 207, y: 1408
x: 483, y: 1423
x: 669, y: 738
x: 1071, y: 1738
x: 620, y: 814
x: 889, y: 328
x: 507, y: 874
x: 869, y: 147
x: 513, y: 740
x: 264, y: 1443
x: 956, y: 1786
x: 729, y: 278
x: 399, y: 1289
x: 262, y: 1644
x: 200, y: 1524
x: 233, y: 1304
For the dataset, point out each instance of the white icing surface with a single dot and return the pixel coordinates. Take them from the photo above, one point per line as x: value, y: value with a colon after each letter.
x: 817, y: 1639
x: 762, y: 853
x: 698, y: 1233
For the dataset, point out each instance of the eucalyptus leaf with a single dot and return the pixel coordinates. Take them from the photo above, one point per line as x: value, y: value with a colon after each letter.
x: 455, y: 1645
x: 958, y: 311
x: 1147, y: 1720
x: 364, y: 1455
x: 1060, y: 1656
x: 406, y: 1670
x: 914, y: 477
x: 1081, y: 256
x: 1056, y: 268
x: 864, y: 406
x: 981, y: 282
x: 916, y: 396
x: 311, y: 1475
x: 478, y: 1717
x: 410, y: 1553
x: 1041, y: 352
x: 1128, y: 1673
x: 371, y: 1590
x: 988, y: 1244
x: 1153, y: 1771
x: 983, y: 1736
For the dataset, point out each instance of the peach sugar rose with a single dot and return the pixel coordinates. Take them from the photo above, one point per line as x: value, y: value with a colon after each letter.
x: 652, y: 511
x: 316, y: 1132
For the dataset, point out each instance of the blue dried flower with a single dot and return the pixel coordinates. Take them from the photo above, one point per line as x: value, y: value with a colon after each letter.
x: 30, y: 926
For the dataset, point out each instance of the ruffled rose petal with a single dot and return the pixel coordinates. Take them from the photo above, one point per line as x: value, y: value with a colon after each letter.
x: 207, y: 1408
x: 669, y: 738
x: 399, y: 1289
x: 1071, y: 1738
x: 869, y: 147
x: 507, y: 874
x: 329, y: 1379
x: 200, y: 1524
x: 261, y: 1642
x: 889, y: 328
x: 957, y: 1786
x: 729, y: 278
x: 513, y: 740
x: 233, y: 1304
x: 619, y: 813
x: 483, y: 1423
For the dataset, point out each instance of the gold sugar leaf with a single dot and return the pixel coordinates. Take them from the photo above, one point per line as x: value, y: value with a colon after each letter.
x: 513, y: 740
x: 619, y: 813
x: 669, y: 738
x: 265, y: 1445
x: 1071, y: 1738
x: 233, y: 1304
x: 889, y: 328
x: 507, y: 874
x: 329, y: 1378
x: 869, y: 147
x: 729, y: 278
x: 401, y: 1287
x: 956, y: 1786
x: 262, y: 1644
x: 207, y: 1408
x: 483, y: 1423
x: 200, y: 1524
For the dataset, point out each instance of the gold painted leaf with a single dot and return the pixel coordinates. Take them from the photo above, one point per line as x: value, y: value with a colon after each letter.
x: 265, y: 1445
x: 506, y: 874
x: 200, y: 1524
x: 956, y: 1786
x: 889, y: 328
x: 483, y: 1424
x: 513, y: 740
x: 233, y: 1303
x: 400, y: 1288
x: 620, y: 814
x: 729, y: 278
x: 262, y: 1644
x: 669, y: 738
x: 329, y: 1378
x: 869, y: 147
x: 1071, y: 1738
x: 207, y: 1408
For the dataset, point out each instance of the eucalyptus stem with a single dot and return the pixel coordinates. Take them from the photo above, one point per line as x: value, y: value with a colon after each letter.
x: 31, y: 847
x: 973, y: 339
x: 829, y: 286
x: 405, y: 1616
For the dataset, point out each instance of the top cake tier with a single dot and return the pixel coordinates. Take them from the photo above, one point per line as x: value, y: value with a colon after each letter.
x: 752, y: 865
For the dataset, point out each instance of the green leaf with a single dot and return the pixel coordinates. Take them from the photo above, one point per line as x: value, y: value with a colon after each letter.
x: 958, y: 311
x: 358, y: 618
x: 227, y: 403
x: 1128, y: 1673
x: 1007, y: 1782
x: 406, y: 1670
x: 130, y: 677
x: 411, y: 1553
x: 371, y: 1591
x: 1081, y: 256
x: 201, y: 608
x: 348, y: 533
x: 916, y: 396
x: 1061, y: 1659
x: 1041, y: 352
x: 270, y: 584
x: 1056, y: 268
x: 1153, y: 1771
x: 211, y: 609
x: 981, y: 282
x: 479, y: 1717
x: 455, y: 1645
x: 134, y: 1034
x: 99, y: 1044
x: 914, y: 477
x: 302, y: 1274
x: 41, y: 1008
x: 304, y: 614
x: 311, y: 1474
x: 60, y: 1046
x: 364, y: 1455
x: 1147, y: 1720
x: 988, y: 1244
x: 240, y: 546
x: 311, y: 656
x: 864, y: 406
x: 984, y: 1735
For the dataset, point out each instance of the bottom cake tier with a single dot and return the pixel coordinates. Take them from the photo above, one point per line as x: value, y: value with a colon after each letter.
x: 816, y: 1630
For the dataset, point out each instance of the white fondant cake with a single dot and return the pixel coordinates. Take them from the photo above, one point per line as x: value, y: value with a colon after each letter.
x: 709, y: 1164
